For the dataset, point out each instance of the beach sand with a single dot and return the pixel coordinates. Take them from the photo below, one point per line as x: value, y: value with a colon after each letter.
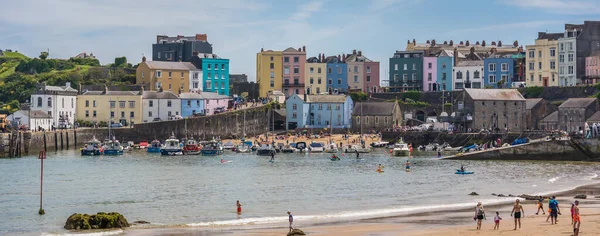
x: 337, y: 138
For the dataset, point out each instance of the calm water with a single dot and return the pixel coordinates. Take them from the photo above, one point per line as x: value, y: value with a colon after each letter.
x: 197, y: 191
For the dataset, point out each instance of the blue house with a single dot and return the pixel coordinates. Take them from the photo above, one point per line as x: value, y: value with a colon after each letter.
x: 215, y: 73
x: 191, y: 103
x: 444, y: 73
x: 499, y: 70
x: 319, y: 111
x: 337, y: 75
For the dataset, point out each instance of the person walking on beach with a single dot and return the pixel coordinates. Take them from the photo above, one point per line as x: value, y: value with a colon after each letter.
x: 517, y: 210
x: 576, y: 219
x: 497, y: 221
x: 554, y: 210
x: 291, y: 219
x: 541, y: 205
x: 479, y: 214
x: 239, y: 207
x: 572, y: 213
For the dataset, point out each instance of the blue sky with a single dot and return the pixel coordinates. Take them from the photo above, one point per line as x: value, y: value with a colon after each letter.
x: 239, y: 28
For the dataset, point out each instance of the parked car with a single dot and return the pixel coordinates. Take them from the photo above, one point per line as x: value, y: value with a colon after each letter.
x: 219, y: 110
x: 156, y: 119
x: 116, y: 125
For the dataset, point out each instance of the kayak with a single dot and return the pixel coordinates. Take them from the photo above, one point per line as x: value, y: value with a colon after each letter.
x: 335, y: 159
x: 464, y: 172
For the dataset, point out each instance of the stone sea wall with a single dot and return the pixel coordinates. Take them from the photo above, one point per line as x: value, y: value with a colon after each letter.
x: 26, y: 143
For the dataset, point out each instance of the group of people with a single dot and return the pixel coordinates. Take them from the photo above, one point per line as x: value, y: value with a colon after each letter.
x: 518, y: 212
x: 290, y: 217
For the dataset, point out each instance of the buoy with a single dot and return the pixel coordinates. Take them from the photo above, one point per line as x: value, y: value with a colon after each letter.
x: 391, y: 150
x: 343, y: 154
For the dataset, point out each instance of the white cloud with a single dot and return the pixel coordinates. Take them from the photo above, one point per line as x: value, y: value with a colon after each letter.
x: 568, y: 7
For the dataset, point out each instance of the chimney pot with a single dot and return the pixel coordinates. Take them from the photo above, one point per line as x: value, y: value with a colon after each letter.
x: 262, y: 49
x: 339, y: 57
x: 433, y: 42
x: 407, y: 43
x: 344, y: 57
x: 304, y: 48
x: 299, y: 49
x: 499, y: 43
x: 461, y: 43
x: 143, y: 58
x: 467, y: 43
x: 354, y: 52
x: 428, y: 42
x: 477, y: 43
x: 414, y: 42
x: 451, y: 43
x: 493, y: 43
x: 483, y: 43
x: 201, y: 37
x: 445, y: 42
x: 359, y: 53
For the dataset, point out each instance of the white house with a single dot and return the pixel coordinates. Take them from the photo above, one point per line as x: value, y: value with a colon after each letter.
x: 195, y: 80
x: 60, y: 102
x: 161, y: 105
x: 39, y: 119
x: 468, y: 74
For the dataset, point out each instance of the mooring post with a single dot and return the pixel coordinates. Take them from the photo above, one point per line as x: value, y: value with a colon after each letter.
x: 55, y: 141
x: 41, y: 156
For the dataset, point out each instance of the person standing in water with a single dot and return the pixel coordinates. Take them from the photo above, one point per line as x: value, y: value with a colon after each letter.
x: 357, y: 155
x: 479, y: 214
x: 576, y: 218
x: 239, y: 207
x: 291, y: 219
x: 517, y: 210
x: 272, y: 156
x: 407, y: 165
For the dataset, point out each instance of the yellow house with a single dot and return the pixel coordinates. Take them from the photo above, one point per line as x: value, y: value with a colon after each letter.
x: 269, y: 70
x: 116, y: 106
x: 170, y: 76
x: 542, y: 61
x: 316, y: 79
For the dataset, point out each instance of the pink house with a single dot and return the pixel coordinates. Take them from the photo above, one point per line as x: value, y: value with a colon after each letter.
x: 371, y: 80
x: 212, y: 101
x: 592, y: 68
x: 294, y: 62
x: 429, y: 74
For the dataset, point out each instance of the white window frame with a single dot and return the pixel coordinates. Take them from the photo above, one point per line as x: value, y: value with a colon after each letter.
x: 504, y: 67
x: 492, y: 79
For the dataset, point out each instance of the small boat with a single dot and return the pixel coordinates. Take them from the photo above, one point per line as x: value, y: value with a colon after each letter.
x: 143, y: 145
x: 316, y: 147
x: 171, y: 147
x: 112, y: 147
x: 356, y: 148
x: 290, y: 148
x: 212, y: 148
x: 92, y: 147
x: 301, y: 146
x: 458, y: 172
x: 401, y: 149
x: 191, y: 147
x: 228, y: 145
x: 379, y: 144
x: 334, y: 158
x: 154, y: 147
x: 242, y: 148
x: 265, y: 150
x: 331, y: 148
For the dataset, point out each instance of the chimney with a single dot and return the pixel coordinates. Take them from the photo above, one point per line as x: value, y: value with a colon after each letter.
x: 433, y: 42
x: 408, y: 43
x: 445, y: 42
x: 520, y: 49
x: 414, y: 42
x: 143, y: 59
x: 354, y: 52
x: 451, y: 43
x: 359, y: 53
x: 455, y: 56
x: 499, y: 43
x: 262, y: 49
x: 339, y: 58
x: 493, y: 43
x: 516, y: 43
x: 344, y: 57
x: 201, y: 37
x: 483, y: 43
x: 428, y: 42
x: 299, y: 49
x: 467, y: 43
x: 477, y: 43
x: 304, y: 48
x: 461, y: 43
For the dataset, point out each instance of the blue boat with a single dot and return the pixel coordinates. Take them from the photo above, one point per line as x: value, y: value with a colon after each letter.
x: 112, y: 147
x: 171, y: 147
x: 463, y: 172
x: 92, y: 148
x: 154, y: 147
x: 212, y: 148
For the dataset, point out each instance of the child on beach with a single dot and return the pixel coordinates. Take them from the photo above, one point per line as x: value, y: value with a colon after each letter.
x: 239, y: 207
x: 497, y: 221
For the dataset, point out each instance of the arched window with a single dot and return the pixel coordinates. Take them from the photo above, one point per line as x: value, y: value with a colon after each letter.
x: 39, y: 101
x: 49, y: 102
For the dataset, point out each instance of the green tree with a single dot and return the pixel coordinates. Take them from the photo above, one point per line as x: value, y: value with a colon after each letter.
x: 44, y: 55
x: 359, y: 96
x: 412, y: 95
x: 120, y: 62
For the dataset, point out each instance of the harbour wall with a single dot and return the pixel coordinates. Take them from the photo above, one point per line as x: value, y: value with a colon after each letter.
x: 25, y: 143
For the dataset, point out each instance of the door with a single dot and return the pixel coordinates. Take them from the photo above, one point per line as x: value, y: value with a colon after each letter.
x: 545, y: 81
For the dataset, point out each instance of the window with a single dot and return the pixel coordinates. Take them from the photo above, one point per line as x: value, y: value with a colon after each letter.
x: 339, y: 81
x: 169, y: 86
x: 571, y: 46
x: 121, y: 104
x: 285, y: 59
x: 368, y: 69
x: 296, y: 59
x: 169, y: 74
x: 169, y: 113
x: 395, y: 66
x: 112, y: 114
x: 414, y: 66
x: 112, y: 104
x: 414, y: 77
x: 396, y: 77
x: 311, y: 80
x: 320, y: 106
x: 553, y: 77
x: 531, y: 53
x: 216, y: 66
x: 329, y: 70
x: 444, y: 75
x: 94, y: 113
x: 311, y: 70
x: 49, y: 102
x: 405, y: 66
x: 294, y: 115
x: 87, y: 113
x: 87, y: 102
x: 131, y: 114
x: 296, y: 70
x: 444, y: 65
x: 328, y: 106
x: 122, y: 114
x: 222, y: 66
x: 539, y: 53
x: 149, y: 114
x: 429, y: 76
x: 539, y: 77
x: 552, y: 52
x: 531, y: 66
x: 319, y: 70
x: 562, y: 48
x: 158, y: 73
x: 570, y: 57
x: 209, y: 85
x: 561, y: 58
x: 540, y: 65
x: 94, y: 103
x: 429, y: 65
x: 337, y: 107
x: 570, y: 70
x: 476, y: 74
x: 319, y: 80
x: 552, y: 65
x: 404, y: 77
x: 504, y: 78
x: 504, y: 67
x: 286, y: 70
x: 358, y: 120
x: 62, y: 102
x: 492, y: 67
x: 330, y: 81
x: 295, y: 107
x: 368, y: 78
x: 210, y: 66
x: 150, y: 103
x: 355, y: 69
x: 272, y: 75
x: 181, y: 75
x: 531, y: 77
x: 356, y: 79
x: 195, y: 85
x: 459, y: 75
x: 339, y: 71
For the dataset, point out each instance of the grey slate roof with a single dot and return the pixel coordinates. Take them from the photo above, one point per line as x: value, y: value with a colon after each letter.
x: 595, y: 118
x: 326, y: 98
x: 577, y: 102
x: 115, y: 93
x: 209, y: 95
x: 290, y: 49
x: 190, y: 96
x: 470, y: 63
x: 552, y: 118
x: 169, y: 65
x: 35, y: 114
x: 595, y: 54
x: 495, y: 94
x: 374, y: 108
x: 158, y: 95
x: 550, y: 36
x: 531, y: 102
x: 59, y: 88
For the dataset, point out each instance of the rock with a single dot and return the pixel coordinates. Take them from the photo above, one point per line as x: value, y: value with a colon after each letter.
x: 581, y: 196
x: 597, y: 197
x: 529, y: 197
x: 296, y: 232
x: 501, y: 195
x: 510, y: 195
x: 141, y: 222
x: 473, y: 194
x: 100, y: 220
x: 493, y: 194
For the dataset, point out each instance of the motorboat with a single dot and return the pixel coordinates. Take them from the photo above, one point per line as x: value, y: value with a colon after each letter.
x: 154, y: 146
x: 401, y: 149
x: 242, y: 148
x: 92, y: 147
x: 331, y: 148
x: 191, y: 147
x: 129, y: 146
x: 228, y: 145
x: 301, y: 146
x: 357, y: 148
x: 254, y: 147
x: 279, y: 147
x: 171, y: 147
x: 112, y: 147
x: 290, y: 148
x: 142, y: 145
x: 265, y: 149
x: 212, y: 148
x: 379, y: 144
x: 316, y: 147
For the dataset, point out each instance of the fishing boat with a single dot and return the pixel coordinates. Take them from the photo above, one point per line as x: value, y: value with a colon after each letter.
x: 154, y: 147
x: 92, y: 147
x: 191, y: 147
x: 290, y: 148
x: 112, y: 147
x: 265, y: 149
x: 142, y: 145
x: 171, y: 147
x: 331, y: 148
x: 212, y: 148
x: 379, y: 144
x: 228, y: 145
x: 401, y: 149
x: 242, y: 148
x: 316, y: 147
x: 301, y: 146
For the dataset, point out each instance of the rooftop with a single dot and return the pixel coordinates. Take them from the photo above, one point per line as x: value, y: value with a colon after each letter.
x: 169, y: 65
x: 577, y: 102
x: 113, y: 93
x: 531, y: 102
x: 495, y: 94
x: 595, y: 118
x: 158, y: 95
x: 553, y: 117
x: 550, y: 36
x: 374, y: 108
x: 326, y: 98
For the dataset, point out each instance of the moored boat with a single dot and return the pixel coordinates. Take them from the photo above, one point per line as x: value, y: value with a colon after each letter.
x: 92, y: 148
x: 112, y: 147
x: 379, y: 144
x: 154, y: 147
x: 171, y: 147
x: 242, y: 148
x: 191, y: 147
x: 212, y: 148
x: 228, y: 145
x: 316, y: 147
x: 290, y: 148
x: 265, y: 149
x: 301, y: 146
x: 401, y: 149
x: 331, y: 148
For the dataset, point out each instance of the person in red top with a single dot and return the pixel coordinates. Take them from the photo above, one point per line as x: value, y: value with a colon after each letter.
x: 239, y: 207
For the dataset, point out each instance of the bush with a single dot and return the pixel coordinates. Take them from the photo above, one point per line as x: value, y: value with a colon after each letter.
x: 85, y: 61
x: 414, y: 104
x: 533, y: 92
x: 359, y: 96
x: 412, y: 95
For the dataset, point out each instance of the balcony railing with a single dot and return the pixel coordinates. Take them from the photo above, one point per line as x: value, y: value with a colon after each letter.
x: 293, y: 85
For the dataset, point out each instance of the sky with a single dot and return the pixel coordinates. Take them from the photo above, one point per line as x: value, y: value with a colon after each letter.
x: 238, y: 29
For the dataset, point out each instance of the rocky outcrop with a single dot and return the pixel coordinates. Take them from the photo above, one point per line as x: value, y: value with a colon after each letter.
x: 529, y: 197
x: 296, y: 232
x: 140, y: 222
x: 473, y: 194
x: 581, y: 196
x: 100, y: 220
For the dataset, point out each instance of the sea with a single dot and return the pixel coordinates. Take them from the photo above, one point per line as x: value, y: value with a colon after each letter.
x: 201, y: 192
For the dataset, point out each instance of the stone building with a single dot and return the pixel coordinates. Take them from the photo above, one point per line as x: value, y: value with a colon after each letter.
x: 550, y: 122
x: 375, y: 115
x: 573, y: 113
x: 498, y: 109
x: 537, y: 109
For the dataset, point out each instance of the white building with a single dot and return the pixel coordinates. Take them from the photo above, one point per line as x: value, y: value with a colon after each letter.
x: 567, y: 59
x: 60, y: 102
x: 468, y: 74
x: 39, y: 119
x: 195, y: 80
x: 161, y: 105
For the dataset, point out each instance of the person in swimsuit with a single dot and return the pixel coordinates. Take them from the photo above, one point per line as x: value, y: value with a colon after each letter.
x: 554, y: 210
x: 479, y: 214
x: 291, y: 219
x: 541, y: 205
x: 272, y: 155
x: 239, y: 207
x: 576, y: 219
x: 517, y: 210
x: 407, y: 164
x: 497, y: 221
x: 357, y: 155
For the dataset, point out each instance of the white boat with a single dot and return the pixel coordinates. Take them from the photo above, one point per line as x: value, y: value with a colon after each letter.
x: 289, y: 148
x: 379, y: 144
x: 331, y: 148
x: 265, y: 149
x: 171, y: 147
x: 242, y: 148
x: 401, y: 149
x: 229, y: 145
x: 356, y: 148
x: 316, y: 147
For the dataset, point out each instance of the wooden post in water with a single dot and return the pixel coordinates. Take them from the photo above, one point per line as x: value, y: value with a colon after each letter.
x: 41, y: 156
x: 45, y: 147
x: 55, y: 141
x: 75, y: 136
x: 61, y: 141
x: 10, y: 145
x: 67, y: 134
x: 18, y: 145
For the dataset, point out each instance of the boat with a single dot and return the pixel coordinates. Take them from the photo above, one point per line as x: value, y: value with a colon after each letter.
x: 254, y: 147
x: 191, y: 147
x: 401, y: 149
x: 316, y: 147
x: 301, y: 146
x: 242, y: 148
x: 379, y: 144
x: 464, y: 172
x: 112, y: 147
x: 356, y: 148
x: 290, y: 148
x: 334, y: 158
x: 265, y: 149
x: 143, y: 145
x: 212, y: 148
x: 279, y: 147
x: 228, y: 145
x: 171, y: 147
x: 154, y: 147
x: 331, y: 148
x: 92, y: 147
